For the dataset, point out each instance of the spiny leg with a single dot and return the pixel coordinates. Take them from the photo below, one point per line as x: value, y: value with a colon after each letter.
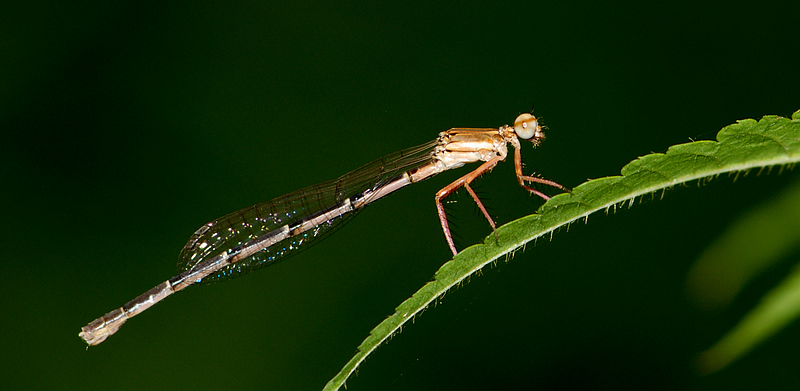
x: 451, y: 188
x: 522, y: 178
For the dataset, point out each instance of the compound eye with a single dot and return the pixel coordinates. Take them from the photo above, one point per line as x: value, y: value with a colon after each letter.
x: 526, y: 126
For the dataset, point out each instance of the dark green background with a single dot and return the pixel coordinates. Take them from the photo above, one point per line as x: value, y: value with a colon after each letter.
x: 127, y: 126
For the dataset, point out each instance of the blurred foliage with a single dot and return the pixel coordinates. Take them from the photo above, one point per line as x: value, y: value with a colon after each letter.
x: 760, y: 238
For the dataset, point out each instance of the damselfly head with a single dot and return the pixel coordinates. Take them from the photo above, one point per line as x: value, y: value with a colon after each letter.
x: 526, y: 126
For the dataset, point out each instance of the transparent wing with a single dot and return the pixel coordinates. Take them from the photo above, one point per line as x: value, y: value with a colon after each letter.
x: 246, y: 226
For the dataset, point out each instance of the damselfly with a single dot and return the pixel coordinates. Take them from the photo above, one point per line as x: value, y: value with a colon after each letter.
x: 263, y: 234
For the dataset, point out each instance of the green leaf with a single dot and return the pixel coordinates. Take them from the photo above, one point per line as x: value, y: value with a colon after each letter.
x: 748, y: 144
x: 757, y: 240
x: 779, y: 307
